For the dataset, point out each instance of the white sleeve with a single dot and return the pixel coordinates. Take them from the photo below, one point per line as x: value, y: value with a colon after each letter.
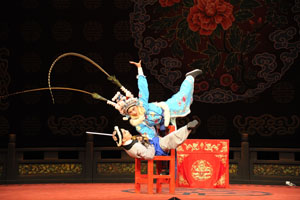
x: 140, y: 71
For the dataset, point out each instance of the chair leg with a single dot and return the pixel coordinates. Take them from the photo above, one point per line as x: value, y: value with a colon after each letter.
x: 158, y: 171
x: 172, y: 185
x: 150, y: 176
x: 172, y: 168
x: 137, y: 175
x: 149, y: 179
x: 158, y: 185
x: 172, y: 174
x: 137, y: 188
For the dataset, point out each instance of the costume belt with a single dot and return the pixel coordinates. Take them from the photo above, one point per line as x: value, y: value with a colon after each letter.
x: 137, y: 138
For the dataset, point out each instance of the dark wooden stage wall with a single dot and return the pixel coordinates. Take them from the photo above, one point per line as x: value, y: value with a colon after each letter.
x: 248, y: 52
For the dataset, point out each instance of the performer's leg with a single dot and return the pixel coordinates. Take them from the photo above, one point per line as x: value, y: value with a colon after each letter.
x: 174, y: 139
x: 189, y: 80
x: 194, y: 73
x: 179, y: 103
x: 187, y: 86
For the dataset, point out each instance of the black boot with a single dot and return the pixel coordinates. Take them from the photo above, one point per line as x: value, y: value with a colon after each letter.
x: 194, y: 73
x: 192, y: 124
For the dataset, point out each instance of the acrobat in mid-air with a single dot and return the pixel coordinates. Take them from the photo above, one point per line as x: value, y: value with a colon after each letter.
x: 145, y: 116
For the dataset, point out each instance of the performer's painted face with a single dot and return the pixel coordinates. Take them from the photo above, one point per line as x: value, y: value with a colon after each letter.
x: 126, y: 135
x: 133, y: 111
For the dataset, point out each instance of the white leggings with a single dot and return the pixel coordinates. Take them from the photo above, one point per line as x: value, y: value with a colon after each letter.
x: 174, y: 139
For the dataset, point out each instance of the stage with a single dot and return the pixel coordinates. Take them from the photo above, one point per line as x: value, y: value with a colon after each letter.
x: 105, y: 191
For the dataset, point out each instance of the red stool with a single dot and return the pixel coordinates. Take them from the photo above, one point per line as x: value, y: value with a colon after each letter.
x: 149, y: 177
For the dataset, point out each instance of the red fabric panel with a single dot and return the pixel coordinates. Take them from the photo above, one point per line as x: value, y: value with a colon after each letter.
x: 203, y: 164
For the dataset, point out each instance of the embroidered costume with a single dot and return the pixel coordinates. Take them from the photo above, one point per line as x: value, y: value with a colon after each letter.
x: 177, y: 106
x: 145, y: 116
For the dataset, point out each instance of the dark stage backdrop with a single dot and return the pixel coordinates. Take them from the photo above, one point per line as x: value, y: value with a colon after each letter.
x: 248, y: 50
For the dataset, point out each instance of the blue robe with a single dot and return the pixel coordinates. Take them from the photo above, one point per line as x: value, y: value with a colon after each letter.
x: 179, y: 105
x: 158, y: 149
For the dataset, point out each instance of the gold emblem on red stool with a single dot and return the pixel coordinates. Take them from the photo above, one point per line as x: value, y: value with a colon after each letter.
x: 201, y: 170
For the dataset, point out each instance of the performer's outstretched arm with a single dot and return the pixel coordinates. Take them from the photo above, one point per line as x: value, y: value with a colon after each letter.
x: 142, y: 85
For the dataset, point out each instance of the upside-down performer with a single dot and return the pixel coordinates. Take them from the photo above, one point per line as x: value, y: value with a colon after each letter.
x: 145, y: 116
x: 142, y: 147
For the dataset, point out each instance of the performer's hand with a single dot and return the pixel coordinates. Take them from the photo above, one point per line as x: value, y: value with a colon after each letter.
x: 114, y: 136
x: 139, y: 64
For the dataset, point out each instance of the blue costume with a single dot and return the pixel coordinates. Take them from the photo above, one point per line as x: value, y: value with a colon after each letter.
x: 158, y: 149
x: 179, y: 105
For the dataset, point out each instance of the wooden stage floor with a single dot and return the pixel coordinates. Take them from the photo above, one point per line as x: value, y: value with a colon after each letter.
x: 124, y: 191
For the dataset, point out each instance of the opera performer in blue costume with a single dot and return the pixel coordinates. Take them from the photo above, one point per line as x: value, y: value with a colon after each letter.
x: 145, y: 116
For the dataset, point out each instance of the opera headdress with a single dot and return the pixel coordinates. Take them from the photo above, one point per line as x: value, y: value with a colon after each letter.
x: 123, y: 103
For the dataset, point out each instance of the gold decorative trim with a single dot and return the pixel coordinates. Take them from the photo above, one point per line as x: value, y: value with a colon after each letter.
x: 182, y: 180
x: 192, y: 147
x: 233, y: 169
x: 222, y: 157
x: 220, y: 147
x: 221, y: 181
x: 119, y: 168
x: 179, y: 148
x: 201, y: 170
x: 276, y: 170
x: 181, y: 157
x: 50, y: 169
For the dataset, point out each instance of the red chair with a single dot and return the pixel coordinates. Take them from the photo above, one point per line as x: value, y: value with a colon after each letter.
x: 160, y: 179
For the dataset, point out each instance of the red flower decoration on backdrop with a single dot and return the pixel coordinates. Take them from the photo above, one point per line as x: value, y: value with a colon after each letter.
x: 234, y: 32
x: 166, y: 3
x: 205, y: 15
x: 226, y: 80
x: 203, y: 86
x: 234, y: 87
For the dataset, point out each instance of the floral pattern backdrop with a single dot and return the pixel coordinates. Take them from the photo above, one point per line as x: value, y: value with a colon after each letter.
x: 242, y: 46
x: 247, y: 49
